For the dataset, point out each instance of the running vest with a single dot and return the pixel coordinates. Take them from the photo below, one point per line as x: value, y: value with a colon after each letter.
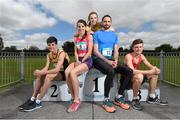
x: 82, y: 45
x: 54, y: 59
x: 136, y: 65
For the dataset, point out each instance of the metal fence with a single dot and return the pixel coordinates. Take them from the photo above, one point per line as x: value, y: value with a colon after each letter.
x: 17, y: 66
x: 9, y: 68
x: 170, y: 67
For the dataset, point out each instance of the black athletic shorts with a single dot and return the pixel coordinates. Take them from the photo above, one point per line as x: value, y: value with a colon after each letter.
x: 65, y: 65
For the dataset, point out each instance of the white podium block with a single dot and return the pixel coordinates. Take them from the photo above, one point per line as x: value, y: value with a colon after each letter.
x: 64, y: 92
x: 94, y: 86
x: 91, y: 88
x: 59, y: 90
x: 143, y: 94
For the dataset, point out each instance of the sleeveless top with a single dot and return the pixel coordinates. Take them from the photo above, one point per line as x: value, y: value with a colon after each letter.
x: 136, y: 65
x: 94, y: 28
x: 82, y: 45
x: 54, y: 59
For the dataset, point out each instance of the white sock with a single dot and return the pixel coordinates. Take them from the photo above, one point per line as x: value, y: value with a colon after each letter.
x: 38, y: 101
x: 106, y: 98
x: 32, y: 98
x: 137, y: 97
x: 118, y: 96
x: 152, y: 95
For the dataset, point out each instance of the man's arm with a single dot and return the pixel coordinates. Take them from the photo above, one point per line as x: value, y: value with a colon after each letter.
x: 116, y: 55
x: 116, y: 52
x: 98, y: 54
x: 128, y: 62
x: 146, y: 62
x: 149, y: 65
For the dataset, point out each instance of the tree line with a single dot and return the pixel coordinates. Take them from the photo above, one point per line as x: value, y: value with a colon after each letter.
x: 68, y: 46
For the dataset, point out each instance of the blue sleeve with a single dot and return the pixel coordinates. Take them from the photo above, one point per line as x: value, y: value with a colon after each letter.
x: 116, y: 39
x: 95, y: 38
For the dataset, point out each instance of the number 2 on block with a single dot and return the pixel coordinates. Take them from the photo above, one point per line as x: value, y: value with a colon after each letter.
x: 54, y: 91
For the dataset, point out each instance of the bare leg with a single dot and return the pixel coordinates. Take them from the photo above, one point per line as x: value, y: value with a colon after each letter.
x: 152, y: 83
x: 137, y: 80
x: 75, y: 83
x: 69, y: 83
x: 38, y: 84
x: 47, y: 84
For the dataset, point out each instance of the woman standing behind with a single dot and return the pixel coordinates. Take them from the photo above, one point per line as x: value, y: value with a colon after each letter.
x: 93, y: 24
x: 83, y: 62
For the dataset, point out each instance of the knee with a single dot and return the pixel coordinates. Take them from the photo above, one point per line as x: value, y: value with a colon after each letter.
x: 66, y: 72
x: 154, y: 77
x: 111, y: 72
x: 48, y: 77
x: 130, y: 72
x: 135, y: 80
x: 138, y: 78
x: 72, y: 73
x: 35, y: 73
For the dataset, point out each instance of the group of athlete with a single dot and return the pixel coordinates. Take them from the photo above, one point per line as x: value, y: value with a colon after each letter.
x: 96, y: 45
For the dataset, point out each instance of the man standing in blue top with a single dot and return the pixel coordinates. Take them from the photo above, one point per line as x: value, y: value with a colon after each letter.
x: 106, y: 60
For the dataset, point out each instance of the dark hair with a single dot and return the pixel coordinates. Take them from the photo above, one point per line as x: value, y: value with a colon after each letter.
x: 81, y: 21
x: 52, y: 39
x: 135, y: 42
x: 85, y: 24
x: 90, y: 15
x: 106, y: 16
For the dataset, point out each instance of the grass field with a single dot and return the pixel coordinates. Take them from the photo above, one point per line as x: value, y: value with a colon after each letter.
x: 10, y: 69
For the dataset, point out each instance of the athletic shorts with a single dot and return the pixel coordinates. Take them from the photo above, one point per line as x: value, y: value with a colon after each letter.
x: 65, y: 65
x: 63, y: 75
x: 88, y: 62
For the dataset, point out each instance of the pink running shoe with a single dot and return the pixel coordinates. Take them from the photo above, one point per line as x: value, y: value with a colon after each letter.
x: 74, y: 106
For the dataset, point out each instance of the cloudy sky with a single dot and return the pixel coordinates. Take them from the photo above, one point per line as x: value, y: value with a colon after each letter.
x: 25, y: 23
